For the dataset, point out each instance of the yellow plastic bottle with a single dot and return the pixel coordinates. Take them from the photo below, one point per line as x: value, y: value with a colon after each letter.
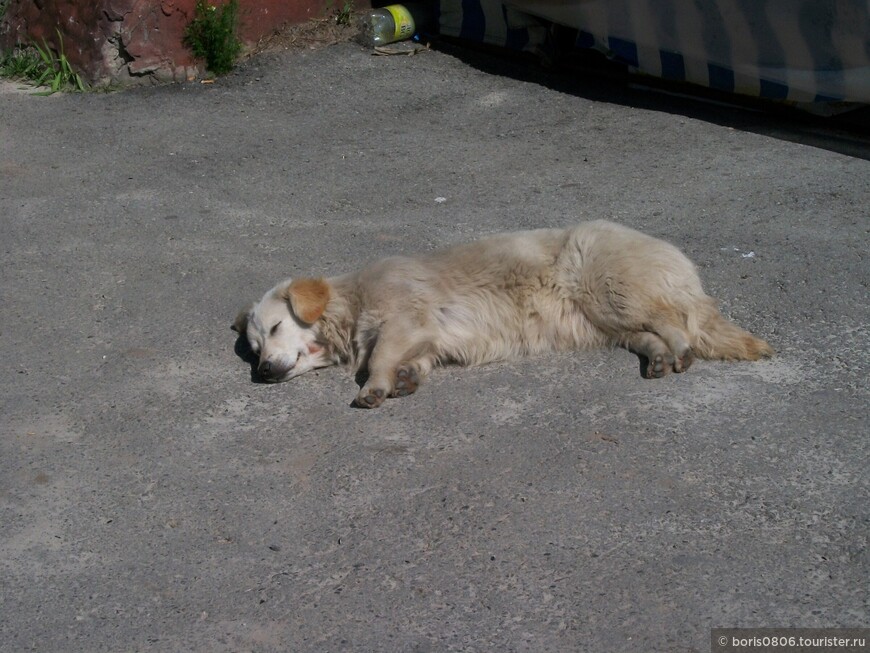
x: 387, y: 25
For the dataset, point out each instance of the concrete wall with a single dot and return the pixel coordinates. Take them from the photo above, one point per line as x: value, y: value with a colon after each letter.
x: 124, y: 41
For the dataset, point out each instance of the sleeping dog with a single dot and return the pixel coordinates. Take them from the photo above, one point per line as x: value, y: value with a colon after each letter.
x: 596, y: 284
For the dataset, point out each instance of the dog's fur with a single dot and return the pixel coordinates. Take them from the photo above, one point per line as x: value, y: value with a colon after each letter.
x: 594, y: 285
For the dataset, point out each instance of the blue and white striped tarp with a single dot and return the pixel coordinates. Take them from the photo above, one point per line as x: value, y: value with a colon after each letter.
x: 798, y: 51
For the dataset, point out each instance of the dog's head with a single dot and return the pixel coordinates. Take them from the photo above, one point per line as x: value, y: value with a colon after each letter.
x: 280, y: 329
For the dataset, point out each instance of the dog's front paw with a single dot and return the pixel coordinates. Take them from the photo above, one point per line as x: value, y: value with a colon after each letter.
x: 370, y: 397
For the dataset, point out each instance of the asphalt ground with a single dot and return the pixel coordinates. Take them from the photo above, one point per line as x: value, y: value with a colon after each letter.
x: 155, y: 497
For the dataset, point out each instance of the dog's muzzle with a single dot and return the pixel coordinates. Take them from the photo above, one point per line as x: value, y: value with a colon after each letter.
x: 275, y: 370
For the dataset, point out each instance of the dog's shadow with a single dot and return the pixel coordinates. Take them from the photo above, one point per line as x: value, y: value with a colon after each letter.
x: 242, y: 349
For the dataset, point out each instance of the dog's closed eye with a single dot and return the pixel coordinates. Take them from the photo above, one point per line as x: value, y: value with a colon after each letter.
x: 274, y: 329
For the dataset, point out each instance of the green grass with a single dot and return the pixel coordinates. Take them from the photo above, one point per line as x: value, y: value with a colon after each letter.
x: 57, y: 72
x: 20, y: 64
x: 211, y: 35
x: 344, y: 14
x: 40, y: 66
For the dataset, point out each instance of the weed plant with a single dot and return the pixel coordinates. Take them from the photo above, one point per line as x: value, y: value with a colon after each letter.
x: 42, y: 67
x: 211, y: 35
x: 344, y: 14
x: 57, y: 73
x: 20, y: 64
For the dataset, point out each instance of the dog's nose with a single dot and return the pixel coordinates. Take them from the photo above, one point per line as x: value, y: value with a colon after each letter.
x: 272, y: 370
x: 265, y: 369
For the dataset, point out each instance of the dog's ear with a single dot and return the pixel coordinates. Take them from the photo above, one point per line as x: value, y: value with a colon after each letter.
x: 308, y: 298
x: 241, y: 323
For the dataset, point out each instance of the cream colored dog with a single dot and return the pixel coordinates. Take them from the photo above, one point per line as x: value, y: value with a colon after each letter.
x: 594, y: 285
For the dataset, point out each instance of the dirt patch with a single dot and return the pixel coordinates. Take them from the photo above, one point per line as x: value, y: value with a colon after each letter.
x: 15, y: 86
x: 311, y: 35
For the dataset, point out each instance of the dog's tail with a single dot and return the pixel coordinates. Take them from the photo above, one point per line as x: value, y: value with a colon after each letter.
x: 716, y: 338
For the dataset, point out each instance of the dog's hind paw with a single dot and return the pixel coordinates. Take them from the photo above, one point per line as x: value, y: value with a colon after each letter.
x: 662, y: 363
x: 658, y: 365
x: 370, y: 397
x: 684, y: 360
x: 407, y: 380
